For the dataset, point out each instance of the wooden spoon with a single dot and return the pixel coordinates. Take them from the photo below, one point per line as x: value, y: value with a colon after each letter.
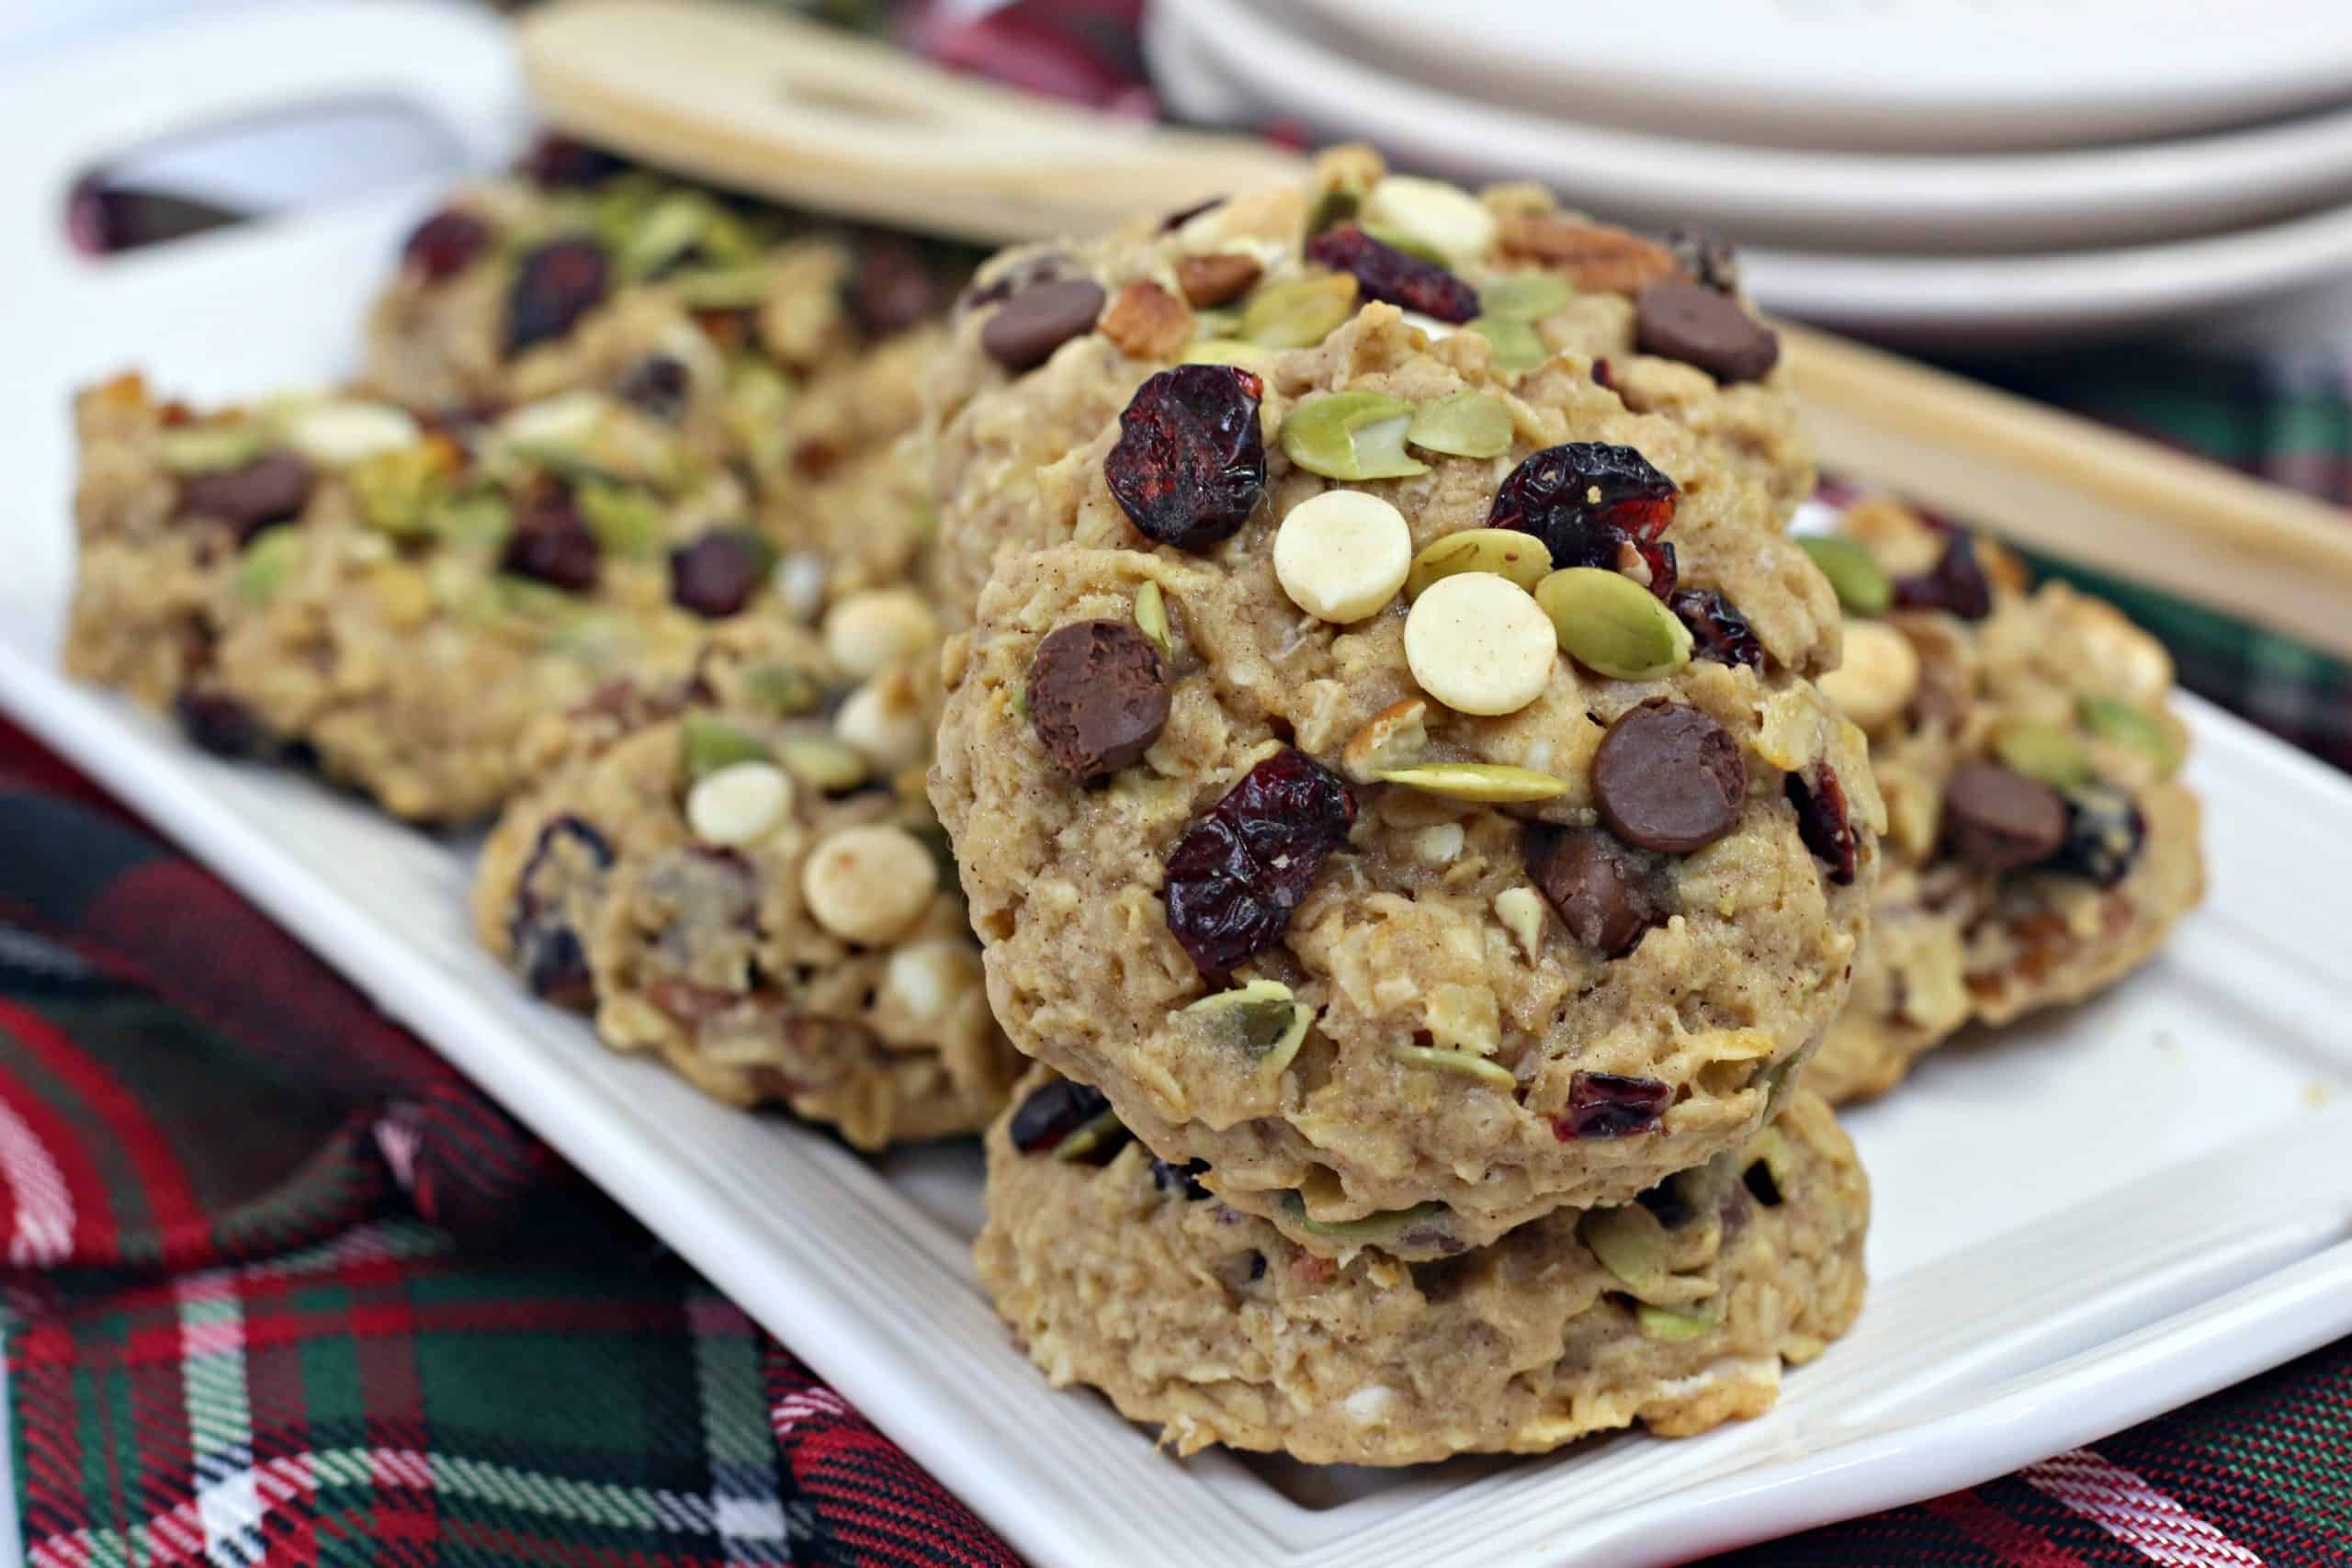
x: 822, y: 119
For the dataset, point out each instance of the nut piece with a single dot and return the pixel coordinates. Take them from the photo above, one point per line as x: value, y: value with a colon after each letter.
x: 1608, y: 623
x: 869, y: 883
x: 1342, y: 555
x: 1299, y: 314
x: 1597, y: 258
x: 1464, y: 424
x: 1390, y: 739
x: 741, y: 804
x: 1520, y: 909
x: 1446, y: 218
x: 1219, y: 279
x: 1479, y: 643
x: 868, y: 631
x: 1880, y: 673
x: 1506, y: 552
x: 883, y: 719
x: 1351, y: 435
x: 1098, y: 696
x: 1146, y: 321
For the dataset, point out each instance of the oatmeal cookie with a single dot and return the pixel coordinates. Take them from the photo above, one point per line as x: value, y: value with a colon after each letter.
x: 1123, y: 1273
x: 721, y: 883
x: 1287, y: 824
x: 1051, y: 340
x: 2038, y: 846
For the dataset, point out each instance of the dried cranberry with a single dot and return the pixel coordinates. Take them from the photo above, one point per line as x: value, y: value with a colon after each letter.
x: 222, y: 726
x: 554, y: 287
x: 559, y: 163
x: 552, y: 543
x: 1718, y: 632
x: 1383, y: 272
x: 1761, y: 1184
x: 1189, y: 465
x: 1823, y: 822
x: 272, y: 488
x: 1053, y: 1114
x: 2104, y: 833
x: 445, y: 244
x: 1238, y: 873
x: 567, y: 864
x: 1956, y: 583
x: 656, y: 384
x: 1182, y: 1180
x: 1552, y: 495
x: 1609, y: 1105
x: 718, y: 574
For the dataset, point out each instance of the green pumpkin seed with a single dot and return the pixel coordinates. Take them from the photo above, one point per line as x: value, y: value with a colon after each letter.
x: 1334, y: 207
x: 1525, y: 296
x: 1517, y: 344
x: 1152, y: 617
x: 627, y: 521
x: 826, y: 764
x: 1224, y: 320
x: 2046, y: 752
x: 1664, y: 1322
x: 397, y: 491
x: 207, y: 448
x: 264, y: 565
x: 1264, y: 1018
x: 1777, y: 1082
x: 1351, y: 435
x: 533, y: 599
x: 1385, y: 1226
x: 1488, y: 782
x: 1465, y: 425
x: 2128, y: 724
x: 757, y: 396
x: 1228, y: 351
x: 674, y: 226
x: 1863, y: 586
x: 707, y: 744
x: 1608, y: 623
x: 783, y: 689
x: 1631, y: 1244
x: 1462, y: 1062
x: 1506, y: 552
x: 742, y: 287
x: 480, y: 522
x: 1299, y: 314
x: 1395, y: 239
x: 1088, y: 1136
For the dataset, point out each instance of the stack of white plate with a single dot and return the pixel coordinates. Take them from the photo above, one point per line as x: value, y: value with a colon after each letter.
x: 1933, y: 168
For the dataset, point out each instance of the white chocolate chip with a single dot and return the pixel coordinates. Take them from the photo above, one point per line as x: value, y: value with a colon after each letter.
x: 867, y: 631
x: 882, y: 719
x: 1479, y: 643
x: 924, y: 979
x: 799, y: 578
x: 1343, y: 554
x: 1520, y: 909
x: 1880, y: 673
x: 1439, y: 845
x: 1448, y: 219
x: 1369, y: 1405
x: 741, y: 804
x: 338, y: 434
x: 869, y: 883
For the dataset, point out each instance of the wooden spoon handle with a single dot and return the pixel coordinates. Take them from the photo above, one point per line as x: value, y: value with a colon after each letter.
x: 818, y: 118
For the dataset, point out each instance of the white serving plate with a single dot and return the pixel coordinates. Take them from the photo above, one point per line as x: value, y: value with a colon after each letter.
x: 2094, y: 1218
x: 1868, y: 73
x: 1760, y: 194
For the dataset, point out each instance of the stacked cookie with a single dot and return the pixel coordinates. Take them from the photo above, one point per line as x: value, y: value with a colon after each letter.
x: 2039, y: 844
x: 615, y: 535
x: 1387, y: 769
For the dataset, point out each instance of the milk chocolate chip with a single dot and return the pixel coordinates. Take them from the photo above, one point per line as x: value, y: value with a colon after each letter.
x: 1098, y: 696
x: 1600, y: 889
x: 1999, y: 819
x: 1668, y: 778
x: 1677, y: 318
x: 1040, y: 319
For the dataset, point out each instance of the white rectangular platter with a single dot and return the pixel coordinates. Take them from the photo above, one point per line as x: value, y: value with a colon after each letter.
x: 2092, y: 1219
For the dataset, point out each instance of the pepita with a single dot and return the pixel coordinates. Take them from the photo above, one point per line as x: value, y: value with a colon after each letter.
x: 1610, y: 623
x: 207, y: 448
x: 2046, y: 752
x: 1300, y: 313
x: 1351, y: 435
x: 706, y: 744
x: 1461, y: 1062
x: 785, y: 690
x: 822, y: 762
x: 1486, y: 782
x: 1862, y: 588
x: 1506, y: 552
x: 1516, y: 343
x: 264, y: 565
x: 1525, y: 296
x: 1090, y: 1137
x: 1264, y: 1018
x: 1464, y: 425
x: 2128, y: 724
x: 1386, y: 1225
x: 1152, y: 617
x: 1664, y: 1322
x: 1630, y: 1243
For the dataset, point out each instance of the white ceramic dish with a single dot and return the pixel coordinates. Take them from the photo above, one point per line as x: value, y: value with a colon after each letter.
x: 1763, y: 194
x: 1886, y: 74
x: 2096, y: 1218
x: 1942, y: 298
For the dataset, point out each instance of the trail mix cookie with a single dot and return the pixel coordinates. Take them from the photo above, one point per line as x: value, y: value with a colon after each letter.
x: 1051, y: 341
x: 1401, y: 830
x: 1124, y: 1273
x: 338, y: 580
x: 756, y: 891
x: 2039, y: 845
